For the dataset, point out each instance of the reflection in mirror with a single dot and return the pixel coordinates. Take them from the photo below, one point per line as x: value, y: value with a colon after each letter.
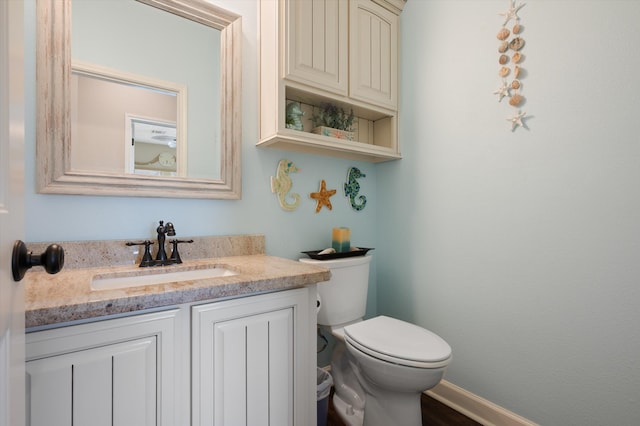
x: 130, y: 38
x: 182, y: 59
x: 102, y: 137
x: 151, y: 147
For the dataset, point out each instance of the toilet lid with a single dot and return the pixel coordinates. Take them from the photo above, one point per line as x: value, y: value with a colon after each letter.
x: 399, y: 342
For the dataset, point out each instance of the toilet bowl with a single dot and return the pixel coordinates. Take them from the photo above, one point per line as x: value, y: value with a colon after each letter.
x: 381, y: 365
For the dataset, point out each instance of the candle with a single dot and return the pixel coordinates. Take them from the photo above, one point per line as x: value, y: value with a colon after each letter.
x: 341, y: 239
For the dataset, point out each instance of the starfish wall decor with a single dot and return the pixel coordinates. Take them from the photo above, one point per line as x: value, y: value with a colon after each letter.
x: 322, y: 196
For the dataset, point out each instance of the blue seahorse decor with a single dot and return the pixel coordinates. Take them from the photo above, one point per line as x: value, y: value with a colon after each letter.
x: 352, y: 187
x: 281, y: 184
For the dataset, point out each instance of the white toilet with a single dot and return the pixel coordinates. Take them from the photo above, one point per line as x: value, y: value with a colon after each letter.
x: 380, y: 366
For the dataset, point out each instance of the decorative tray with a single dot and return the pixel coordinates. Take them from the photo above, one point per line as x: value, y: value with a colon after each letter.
x: 314, y: 254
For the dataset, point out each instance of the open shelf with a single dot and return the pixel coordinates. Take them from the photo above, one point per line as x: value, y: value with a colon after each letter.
x: 375, y: 130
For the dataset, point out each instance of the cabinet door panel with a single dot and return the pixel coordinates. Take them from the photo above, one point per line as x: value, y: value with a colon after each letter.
x: 258, y: 342
x: 280, y: 367
x: 252, y: 369
x: 91, y: 378
x: 134, y: 384
x: 95, y: 387
x: 48, y: 389
x: 122, y: 371
x: 317, y: 44
x: 229, y: 374
x: 374, y: 54
x: 250, y: 361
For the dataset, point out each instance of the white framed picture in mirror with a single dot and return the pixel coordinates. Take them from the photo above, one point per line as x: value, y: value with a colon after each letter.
x: 151, y: 146
x: 204, y: 104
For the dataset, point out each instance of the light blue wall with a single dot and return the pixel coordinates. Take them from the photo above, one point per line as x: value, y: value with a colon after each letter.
x: 69, y: 218
x: 521, y: 249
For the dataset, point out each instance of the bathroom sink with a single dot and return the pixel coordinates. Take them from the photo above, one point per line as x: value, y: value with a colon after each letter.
x: 118, y: 280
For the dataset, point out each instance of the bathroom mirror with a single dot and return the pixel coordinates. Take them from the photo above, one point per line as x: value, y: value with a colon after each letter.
x: 203, y: 159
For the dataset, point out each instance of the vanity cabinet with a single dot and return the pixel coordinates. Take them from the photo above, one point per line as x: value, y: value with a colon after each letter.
x: 112, y: 372
x: 252, y: 361
x: 242, y: 361
x: 336, y: 51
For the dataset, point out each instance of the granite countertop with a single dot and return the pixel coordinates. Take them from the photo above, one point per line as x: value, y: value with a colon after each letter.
x: 68, y: 295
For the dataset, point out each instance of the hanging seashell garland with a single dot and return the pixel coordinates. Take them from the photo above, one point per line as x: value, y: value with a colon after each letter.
x: 510, y: 53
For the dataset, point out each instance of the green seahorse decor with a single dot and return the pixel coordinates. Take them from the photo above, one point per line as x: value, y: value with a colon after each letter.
x: 352, y: 188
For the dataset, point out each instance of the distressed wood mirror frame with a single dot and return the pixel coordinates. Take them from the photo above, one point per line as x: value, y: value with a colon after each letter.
x: 53, y: 126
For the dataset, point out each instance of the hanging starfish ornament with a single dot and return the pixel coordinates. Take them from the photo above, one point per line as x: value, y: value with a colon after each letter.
x: 512, y: 12
x: 503, y: 90
x: 516, y: 120
x: 322, y: 196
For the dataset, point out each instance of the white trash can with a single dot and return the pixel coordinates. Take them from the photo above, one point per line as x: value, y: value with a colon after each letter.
x: 325, y: 381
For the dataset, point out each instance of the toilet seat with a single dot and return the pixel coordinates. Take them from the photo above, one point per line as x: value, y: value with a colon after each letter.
x: 398, y: 342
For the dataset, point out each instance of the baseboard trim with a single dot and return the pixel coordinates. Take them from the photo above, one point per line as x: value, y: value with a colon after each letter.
x: 479, y: 409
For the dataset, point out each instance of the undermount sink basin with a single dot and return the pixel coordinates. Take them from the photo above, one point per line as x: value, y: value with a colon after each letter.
x: 112, y: 281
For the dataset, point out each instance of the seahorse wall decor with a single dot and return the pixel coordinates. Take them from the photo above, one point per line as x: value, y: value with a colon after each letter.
x: 281, y: 184
x: 352, y: 187
x: 294, y: 116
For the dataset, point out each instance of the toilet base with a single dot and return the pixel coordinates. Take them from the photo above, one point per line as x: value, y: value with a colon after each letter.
x: 349, y: 415
x: 393, y: 409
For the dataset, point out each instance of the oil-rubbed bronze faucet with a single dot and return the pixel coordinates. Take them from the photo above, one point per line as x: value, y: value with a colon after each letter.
x: 161, y: 256
x: 162, y: 229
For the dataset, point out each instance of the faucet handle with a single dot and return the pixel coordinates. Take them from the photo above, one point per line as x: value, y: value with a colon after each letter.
x: 175, y: 256
x: 147, y: 259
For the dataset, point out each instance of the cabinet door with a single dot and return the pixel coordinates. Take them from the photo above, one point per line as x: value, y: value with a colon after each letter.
x: 112, y: 372
x: 110, y: 385
x: 317, y: 43
x: 250, y: 363
x: 373, y: 59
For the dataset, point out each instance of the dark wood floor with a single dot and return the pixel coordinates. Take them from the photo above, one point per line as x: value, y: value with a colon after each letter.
x: 434, y: 413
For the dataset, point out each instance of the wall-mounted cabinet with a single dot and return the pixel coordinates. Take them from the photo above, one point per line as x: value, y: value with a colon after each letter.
x: 336, y: 51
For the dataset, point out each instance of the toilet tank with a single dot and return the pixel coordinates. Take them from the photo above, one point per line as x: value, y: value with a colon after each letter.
x: 343, y: 299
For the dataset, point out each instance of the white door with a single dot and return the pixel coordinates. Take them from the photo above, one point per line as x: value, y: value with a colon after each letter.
x: 11, y: 212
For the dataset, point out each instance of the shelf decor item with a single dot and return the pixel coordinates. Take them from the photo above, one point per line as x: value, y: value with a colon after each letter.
x: 329, y: 120
x: 294, y: 116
